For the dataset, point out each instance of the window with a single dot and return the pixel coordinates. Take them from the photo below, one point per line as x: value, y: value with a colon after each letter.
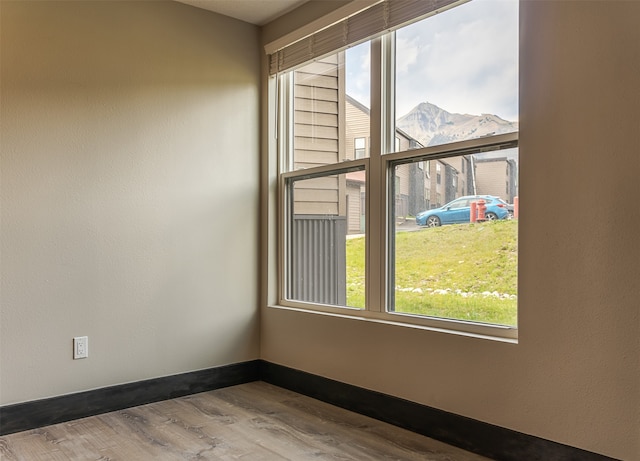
x: 322, y: 210
x: 324, y: 201
x: 359, y: 148
x: 441, y: 93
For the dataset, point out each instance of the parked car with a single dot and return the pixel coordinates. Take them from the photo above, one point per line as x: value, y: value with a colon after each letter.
x: 458, y: 211
x: 510, y: 208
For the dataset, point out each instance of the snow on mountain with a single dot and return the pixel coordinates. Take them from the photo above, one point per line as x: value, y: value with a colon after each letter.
x: 432, y: 125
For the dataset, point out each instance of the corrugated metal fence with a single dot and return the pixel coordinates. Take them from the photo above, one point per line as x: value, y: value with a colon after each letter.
x: 318, y: 259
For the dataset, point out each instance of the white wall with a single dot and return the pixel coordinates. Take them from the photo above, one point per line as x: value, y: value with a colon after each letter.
x: 130, y: 138
x: 574, y: 375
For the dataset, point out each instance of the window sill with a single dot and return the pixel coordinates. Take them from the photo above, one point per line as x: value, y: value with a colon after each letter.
x: 500, y: 333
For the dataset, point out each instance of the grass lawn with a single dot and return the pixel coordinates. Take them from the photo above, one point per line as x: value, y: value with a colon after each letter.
x: 466, y: 271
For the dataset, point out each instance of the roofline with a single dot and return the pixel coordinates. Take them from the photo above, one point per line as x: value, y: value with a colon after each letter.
x: 358, y: 105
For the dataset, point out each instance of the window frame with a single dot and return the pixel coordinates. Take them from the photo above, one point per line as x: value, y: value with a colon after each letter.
x: 378, y: 167
x: 357, y: 150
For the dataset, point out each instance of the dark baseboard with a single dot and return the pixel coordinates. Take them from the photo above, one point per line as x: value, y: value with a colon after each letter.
x: 30, y: 415
x: 485, y: 439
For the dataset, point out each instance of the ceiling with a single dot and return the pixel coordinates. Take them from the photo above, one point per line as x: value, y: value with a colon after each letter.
x: 257, y: 12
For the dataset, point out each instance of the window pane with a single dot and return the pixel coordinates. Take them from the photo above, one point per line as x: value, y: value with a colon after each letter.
x: 360, y: 148
x: 326, y: 261
x: 443, y: 265
x: 328, y: 113
x: 457, y: 73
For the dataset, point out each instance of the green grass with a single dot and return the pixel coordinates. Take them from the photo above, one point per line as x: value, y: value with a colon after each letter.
x: 444, y: 271
x: 355, y: 272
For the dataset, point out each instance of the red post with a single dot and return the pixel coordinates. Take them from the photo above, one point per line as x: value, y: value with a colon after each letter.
x: 474, y: 212
x: 481, y: 210
x: 516, y: 202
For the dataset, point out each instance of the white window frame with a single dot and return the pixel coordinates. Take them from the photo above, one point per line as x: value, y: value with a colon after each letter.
x: 357, y: 149
x: 378, y: 200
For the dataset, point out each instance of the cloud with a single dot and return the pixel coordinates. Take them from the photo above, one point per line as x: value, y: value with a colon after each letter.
x: 409, y: 56
x: 358, y: 72
x: 466, y: 60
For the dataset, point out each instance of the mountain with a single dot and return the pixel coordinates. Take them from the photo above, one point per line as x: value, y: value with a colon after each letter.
x: 432, y: 125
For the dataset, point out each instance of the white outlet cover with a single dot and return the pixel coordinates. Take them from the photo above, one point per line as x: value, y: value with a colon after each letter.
x: 80, y: 347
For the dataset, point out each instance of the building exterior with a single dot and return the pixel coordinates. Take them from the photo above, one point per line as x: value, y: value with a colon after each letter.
x: 497, y: 176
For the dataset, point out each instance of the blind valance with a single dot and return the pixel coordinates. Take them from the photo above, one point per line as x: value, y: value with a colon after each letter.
x: 382, y: 17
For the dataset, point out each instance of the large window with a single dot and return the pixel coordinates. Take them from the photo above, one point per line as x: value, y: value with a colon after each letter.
x: 394, y: 155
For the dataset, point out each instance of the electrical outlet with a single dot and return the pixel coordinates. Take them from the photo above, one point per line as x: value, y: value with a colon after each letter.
x: 80, y: 347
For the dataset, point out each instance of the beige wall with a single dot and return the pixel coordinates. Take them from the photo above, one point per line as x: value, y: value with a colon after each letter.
x: 117, y: 221
x: 129, y: 193
x: 293, y: 20
x: 573, y: 376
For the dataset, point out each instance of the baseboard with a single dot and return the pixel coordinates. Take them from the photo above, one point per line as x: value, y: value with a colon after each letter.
x: 494, y: 442
x: 478, y: 437
x: 38, y: 413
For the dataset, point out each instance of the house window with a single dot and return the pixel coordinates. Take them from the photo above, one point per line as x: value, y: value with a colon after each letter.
x: 359, y: 148
x: 438, y: 275
x: 324, y: 191
x: 322, y: 209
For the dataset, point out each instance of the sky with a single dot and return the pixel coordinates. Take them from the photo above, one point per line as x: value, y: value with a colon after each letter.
x: 464, y: 60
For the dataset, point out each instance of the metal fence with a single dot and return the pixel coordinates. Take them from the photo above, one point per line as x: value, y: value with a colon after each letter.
x: 317, y: 259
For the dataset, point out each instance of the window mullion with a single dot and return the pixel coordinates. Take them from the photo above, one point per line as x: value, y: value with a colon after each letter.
x: 387, y: 93
x: 388, y: 130
x: 376, y: 197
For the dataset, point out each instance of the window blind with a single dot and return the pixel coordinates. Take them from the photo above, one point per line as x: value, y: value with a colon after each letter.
x: 382, y: 17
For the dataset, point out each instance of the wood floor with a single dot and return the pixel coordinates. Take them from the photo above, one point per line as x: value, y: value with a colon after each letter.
x: 254, y: 421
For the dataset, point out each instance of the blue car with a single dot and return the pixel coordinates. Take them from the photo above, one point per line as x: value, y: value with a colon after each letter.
x: 458, y: 211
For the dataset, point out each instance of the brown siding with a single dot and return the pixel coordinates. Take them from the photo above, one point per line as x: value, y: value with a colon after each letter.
x: 316, y: 196
x: 317, y: 135
x: 358, y: 127
x: 353, y: 208
x: 491, y: 178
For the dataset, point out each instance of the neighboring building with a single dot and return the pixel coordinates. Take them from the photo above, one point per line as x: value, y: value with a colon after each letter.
x: 497, y: 176
x: 320, y: 205
x: 331, y: 127
x: 448, y: 179
x: 319, y: 135
x: 355, y: 198
x: 410, y: 185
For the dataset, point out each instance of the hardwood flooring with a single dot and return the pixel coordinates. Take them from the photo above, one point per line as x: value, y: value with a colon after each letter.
x: 254, y: 421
